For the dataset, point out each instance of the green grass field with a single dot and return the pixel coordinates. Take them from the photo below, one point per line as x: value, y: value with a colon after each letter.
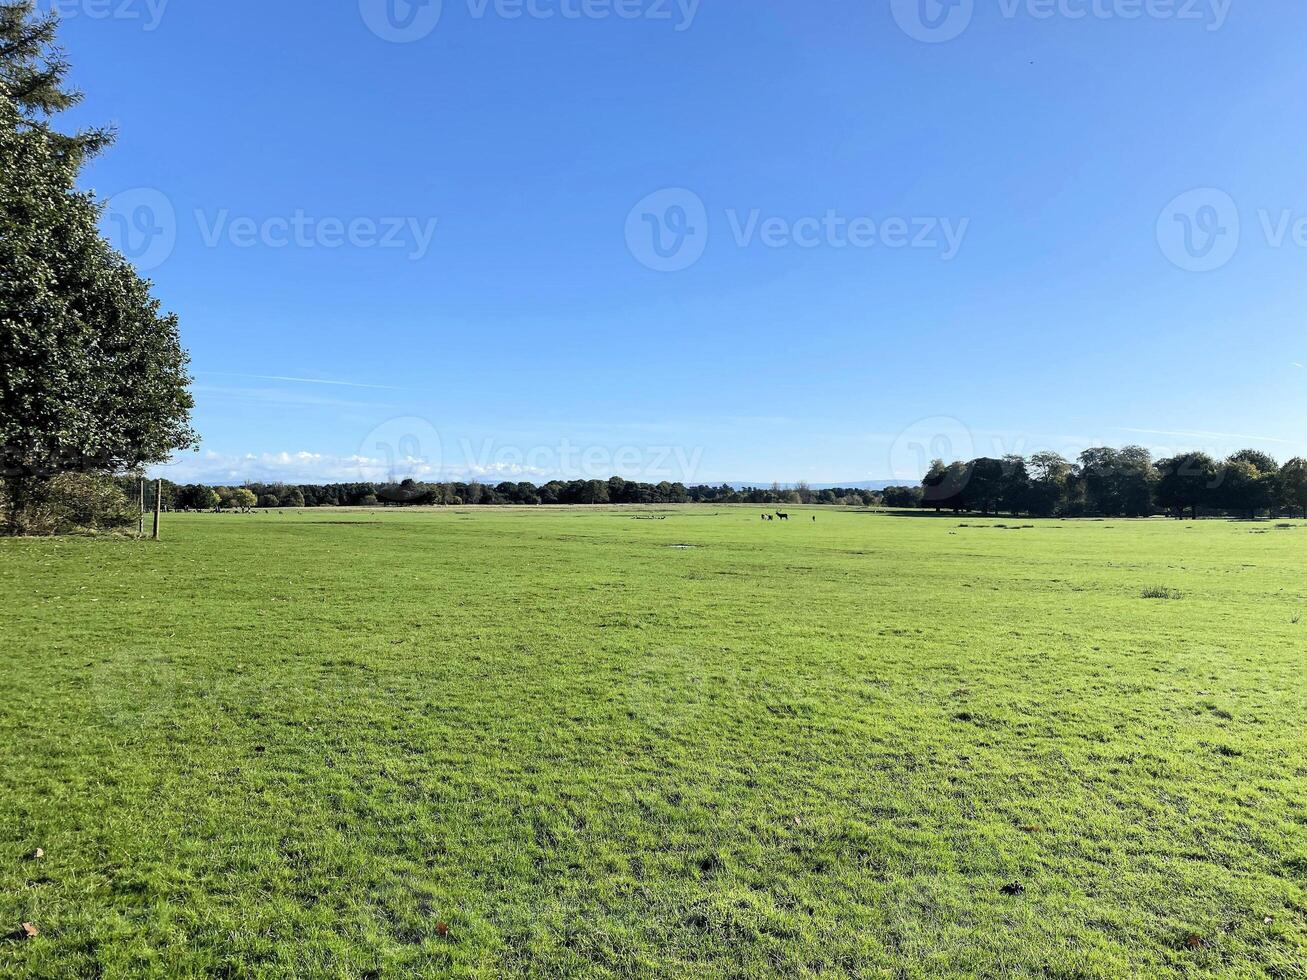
x: 655, y: 743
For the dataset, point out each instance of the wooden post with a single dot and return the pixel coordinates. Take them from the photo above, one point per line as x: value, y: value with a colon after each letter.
x: 158, y: 506
x: 140, y: 529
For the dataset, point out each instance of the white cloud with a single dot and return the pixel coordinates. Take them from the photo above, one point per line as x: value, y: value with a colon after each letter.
x: 315, y: 468
x: 292, y: 467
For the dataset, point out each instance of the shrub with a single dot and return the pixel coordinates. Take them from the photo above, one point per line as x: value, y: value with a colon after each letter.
x: 72, y: 503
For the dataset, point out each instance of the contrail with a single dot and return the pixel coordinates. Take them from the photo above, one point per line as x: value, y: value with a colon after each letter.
x: 302, y: 381
x: 1202, y: 435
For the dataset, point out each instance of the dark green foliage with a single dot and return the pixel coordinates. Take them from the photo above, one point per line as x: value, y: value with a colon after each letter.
x: 1187, y: 482
x: 77, y: 502
x: 92, y: 375
x: 33, y: 71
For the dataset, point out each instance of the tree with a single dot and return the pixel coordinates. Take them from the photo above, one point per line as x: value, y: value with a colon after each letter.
x: 94, y: 375
x: 1293, y: 485
x: 1262, y: 462
x: 594, y: 492
x: 1047, y: 493
x: 291, y: 497
x: 938, y: 490
x: 243, y: 499
x: 1250, y: 482
x: 197, y: 497
x: 1134, y: 481
x: 1186, y: 482
x: 1118, y: 482
x: 33, y: 71
x: 900, y: 497
x: 1014, y: 485
x: 984, y: 488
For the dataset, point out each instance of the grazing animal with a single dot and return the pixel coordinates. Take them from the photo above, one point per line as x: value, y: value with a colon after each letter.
x: 784, y: 517
x: 814, y: 518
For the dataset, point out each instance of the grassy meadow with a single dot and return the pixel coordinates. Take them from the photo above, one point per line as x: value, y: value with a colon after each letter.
x: 655, y: 742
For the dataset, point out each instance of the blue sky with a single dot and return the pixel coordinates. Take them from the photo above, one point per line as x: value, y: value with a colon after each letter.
x: 738, y: 240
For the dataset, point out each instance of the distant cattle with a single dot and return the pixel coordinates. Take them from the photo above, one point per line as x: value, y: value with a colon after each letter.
x: 784, y: 517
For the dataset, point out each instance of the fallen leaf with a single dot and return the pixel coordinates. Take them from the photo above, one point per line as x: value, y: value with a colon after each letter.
x: 38, y: 854
x: 1194, y: 941
x: 798, y: 822
x: 30, y: 931
x: 442, y: 929
x: 1033, y: 828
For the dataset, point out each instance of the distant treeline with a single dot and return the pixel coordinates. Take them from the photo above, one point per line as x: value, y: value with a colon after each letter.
x: 1107, y: 482
x: 1101, y: 482
x: 411, y: 493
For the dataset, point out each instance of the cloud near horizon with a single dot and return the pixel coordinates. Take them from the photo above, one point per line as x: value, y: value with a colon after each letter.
x: 304, y: 467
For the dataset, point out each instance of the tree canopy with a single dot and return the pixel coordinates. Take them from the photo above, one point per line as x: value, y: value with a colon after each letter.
x: 92, y: 372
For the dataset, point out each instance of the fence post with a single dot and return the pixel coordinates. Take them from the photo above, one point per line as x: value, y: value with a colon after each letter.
x: 158, y: 506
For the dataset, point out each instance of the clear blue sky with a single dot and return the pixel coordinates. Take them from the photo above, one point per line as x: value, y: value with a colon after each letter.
x: 530, y: 329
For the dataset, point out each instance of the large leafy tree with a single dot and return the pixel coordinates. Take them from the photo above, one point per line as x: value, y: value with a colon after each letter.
x: 1293, y: 484
x: 92, y: 373
x: 1187, y: 482
x: 1118, y: 482
x: 1050, y: 475
x: 1250, y: 482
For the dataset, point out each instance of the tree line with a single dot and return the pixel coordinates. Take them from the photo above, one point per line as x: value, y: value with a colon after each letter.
x: 1101, y: 482
x: 1106, y: 482
x: 410, y: 493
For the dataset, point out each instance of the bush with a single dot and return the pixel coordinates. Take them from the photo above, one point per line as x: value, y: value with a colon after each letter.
x: 73, y: 503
